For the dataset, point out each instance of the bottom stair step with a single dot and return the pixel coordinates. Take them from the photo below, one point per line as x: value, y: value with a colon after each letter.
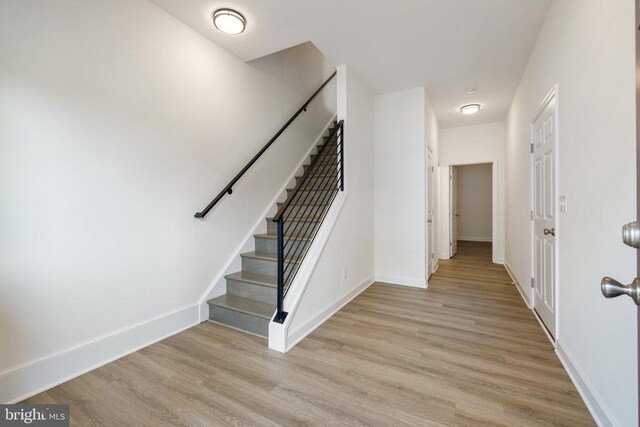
x: 242, y: 313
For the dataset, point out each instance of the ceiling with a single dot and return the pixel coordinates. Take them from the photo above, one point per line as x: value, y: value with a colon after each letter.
x: 445, y: 45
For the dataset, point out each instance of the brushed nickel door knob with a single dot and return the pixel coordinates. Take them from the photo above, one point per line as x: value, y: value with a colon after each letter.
x: 631, y: 234
x: 612, y: 288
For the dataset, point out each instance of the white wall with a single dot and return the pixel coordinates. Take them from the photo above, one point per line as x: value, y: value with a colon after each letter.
x: 586, y: 47
x: 118, y: 123
x: 400, y: 187
x: 474, y: 202
x: 350, y: 246
x: 468, y: 145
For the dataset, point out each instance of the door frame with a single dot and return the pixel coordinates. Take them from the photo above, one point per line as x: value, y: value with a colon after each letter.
x: 451, y: 191
x: 432, y: 192
x: 445, y: 215
x: 552, y: 95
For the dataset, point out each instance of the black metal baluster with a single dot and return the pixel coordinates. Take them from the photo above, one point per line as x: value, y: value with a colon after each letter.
x: 280, y: 313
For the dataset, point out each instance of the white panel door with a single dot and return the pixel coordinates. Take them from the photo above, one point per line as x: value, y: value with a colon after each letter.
x: 453, y: 212
x: 431, y: 239
x: 544, y: 220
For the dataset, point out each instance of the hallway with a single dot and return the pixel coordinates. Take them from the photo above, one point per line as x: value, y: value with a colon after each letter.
x: 466, y: 352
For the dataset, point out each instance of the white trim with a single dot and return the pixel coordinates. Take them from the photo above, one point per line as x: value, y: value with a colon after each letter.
x: 299, y: 334
x: 35, y: 377
x: 217, y: 286
x: 402, y: 281
x: 475, y: 239
x: 587, y: 391
x: 518, y: 286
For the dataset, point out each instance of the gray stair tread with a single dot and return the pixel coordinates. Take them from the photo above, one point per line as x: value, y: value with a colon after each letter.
x: 268, y: 257
x: 260, y: 279
x: 286, y: 236
x: 244, y: 305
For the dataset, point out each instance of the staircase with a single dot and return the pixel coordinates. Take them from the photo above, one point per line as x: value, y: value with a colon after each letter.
x: 252, y: 295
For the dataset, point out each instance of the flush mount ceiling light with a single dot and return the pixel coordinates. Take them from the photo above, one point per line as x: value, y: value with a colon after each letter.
x: 229, y: 21
x: 470, y: 109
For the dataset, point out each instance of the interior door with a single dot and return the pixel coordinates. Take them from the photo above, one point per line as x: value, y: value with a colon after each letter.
x: 544, y: 218
x: 637, y: 247
x: 453, y: 211
x: 631, y: 231
x: 431, y: 252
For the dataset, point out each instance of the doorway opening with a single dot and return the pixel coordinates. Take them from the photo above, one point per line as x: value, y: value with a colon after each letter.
x: 472, y: 213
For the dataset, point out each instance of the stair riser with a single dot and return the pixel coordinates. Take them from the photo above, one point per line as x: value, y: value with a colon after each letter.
x: 313, y: 195
x: 321, y: 180
x: 323, y: 168
x: 291, y: 226
x: 326, y: 155
x: 268, y: 267
x: 326, y: 162
x: 244, y: 321
x: 301, y: 210
x: 252, y: 291
x: 270, y: 246
x: 259, y: 266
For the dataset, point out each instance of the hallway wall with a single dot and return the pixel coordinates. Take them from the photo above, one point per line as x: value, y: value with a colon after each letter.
x: 587, y: 48
x: 400, y: 187
x: 405, y: 129
x: 471, y: 145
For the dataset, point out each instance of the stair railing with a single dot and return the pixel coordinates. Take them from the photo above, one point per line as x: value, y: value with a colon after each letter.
x: 300, y: 216
x: 228, y: 189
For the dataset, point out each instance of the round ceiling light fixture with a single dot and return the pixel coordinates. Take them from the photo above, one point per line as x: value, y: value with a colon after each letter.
x: 229, y: 21
x: 470, y: 109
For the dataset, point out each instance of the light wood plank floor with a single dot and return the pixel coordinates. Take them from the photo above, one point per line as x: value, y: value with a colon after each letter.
x: 465, y: 352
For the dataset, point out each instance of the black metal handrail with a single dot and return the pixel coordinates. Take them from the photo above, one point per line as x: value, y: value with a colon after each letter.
x: 300, y: 216
x: 229, y: 188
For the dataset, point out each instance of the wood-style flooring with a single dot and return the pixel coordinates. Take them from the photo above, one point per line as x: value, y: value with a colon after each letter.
x: 465, y: 352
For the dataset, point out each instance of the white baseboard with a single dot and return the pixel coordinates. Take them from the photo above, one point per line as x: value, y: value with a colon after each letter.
x: 402, y: 281
x: 515, y: 281
x: 475, y: 239
x: 35, y: 377
x: 594, y: 403
x: 296, y: 336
